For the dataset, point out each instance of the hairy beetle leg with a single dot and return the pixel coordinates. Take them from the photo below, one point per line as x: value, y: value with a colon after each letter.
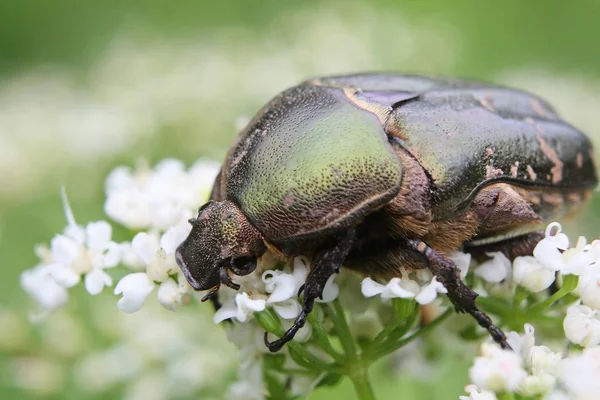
x: 462, y: 296
x: 326, y: 264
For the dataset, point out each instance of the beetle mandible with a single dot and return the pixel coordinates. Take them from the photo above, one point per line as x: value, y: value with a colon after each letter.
x: 381, y: 171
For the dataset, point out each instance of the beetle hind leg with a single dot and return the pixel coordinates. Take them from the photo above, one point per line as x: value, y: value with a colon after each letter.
x: 461, y: 295
x: 326, y: 263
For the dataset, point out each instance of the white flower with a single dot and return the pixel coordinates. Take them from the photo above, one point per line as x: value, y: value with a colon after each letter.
x: 429, y: 292
x: 170, y: 293
x: 581, y: 374
x: 497, y: 370
x: 159, y: 197
x: 39, y: 284
x: 330, y: 291
x: 241, y: 308
x: 582, y: 325
x: 532, y: 275
x: 462, y: 261
x: 158, y: 255
x: 281, y: 286
x: 496, y: 269
x: 135, y: 288
x: 550, y: 252
x: 476, y: 394
x: 396, y: 287
x: 588, y: 287
x: 82, y: 251
x: 404, y: 288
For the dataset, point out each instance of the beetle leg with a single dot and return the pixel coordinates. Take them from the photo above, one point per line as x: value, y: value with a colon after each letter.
x: 326, y: 264
x: 462, y: 296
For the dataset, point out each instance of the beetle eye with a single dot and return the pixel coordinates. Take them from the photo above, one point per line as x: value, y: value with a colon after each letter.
x: 192, y: 221
x: 243, y: 265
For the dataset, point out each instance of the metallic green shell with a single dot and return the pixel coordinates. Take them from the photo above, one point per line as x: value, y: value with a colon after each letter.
x: 310, y: 162
x: 317, y: 157
x: 467, y: 135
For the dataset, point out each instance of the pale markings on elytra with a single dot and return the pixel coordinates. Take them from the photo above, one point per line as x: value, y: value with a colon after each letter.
x: 579, y: 160
x: 537, y: 107
x: 549, y: 152
x: 514, y: 169
x: 531, y: 173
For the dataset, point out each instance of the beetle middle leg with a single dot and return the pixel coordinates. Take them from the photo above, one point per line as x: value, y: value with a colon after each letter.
x: 326, y: 263
x: 461, y: 295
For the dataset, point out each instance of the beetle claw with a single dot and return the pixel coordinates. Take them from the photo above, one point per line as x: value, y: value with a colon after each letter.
x: 211, y: 294
x: 301, y: 289
x: 274, y: 346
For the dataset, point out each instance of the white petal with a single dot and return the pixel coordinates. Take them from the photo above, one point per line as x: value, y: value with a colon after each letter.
x: 282, y: 287
x: 288, y: 309
x: 128, y: 208
x: 38, y: 284
x: 174, y: 236
x: 582, y: 326
x: 164, y: 213
x: 402, y: 288
x: 145, y: 246
x: 496, y: 269
x: 300, y: 271
x: 96, y: 280
x: 169, y: 295
x: 588, y: 289
x: 530, y: 274
x: 64, y: 250
x: 246, y: 306
x: 548, y: 254
x: 98, y: 235
x: 227, y: 311
x: 497, y: 370
x: 169, y: 168
x: 64, y: 275
x: 370, y: 288
x: 135, y: 288
x: 462, y: 261
x: 430, y: 291
x: 330, y: 291
x: 119, y: 178
x: 112, y: 255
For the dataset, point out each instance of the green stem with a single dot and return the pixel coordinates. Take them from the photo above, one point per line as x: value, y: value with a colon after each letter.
x: 322, y: 338
x: 391, y: 346
x: 393, y: 331
x: 541, y: 306
x: 270, y: 322
x: 514, y: 317
x: 341, y: 328
x: 362, y: 385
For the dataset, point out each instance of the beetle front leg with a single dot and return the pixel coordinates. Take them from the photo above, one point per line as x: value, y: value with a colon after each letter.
x: 326, y: 264
x: 461, y: 295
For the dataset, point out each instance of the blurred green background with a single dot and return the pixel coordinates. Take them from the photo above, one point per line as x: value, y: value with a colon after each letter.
x: 88, y: 85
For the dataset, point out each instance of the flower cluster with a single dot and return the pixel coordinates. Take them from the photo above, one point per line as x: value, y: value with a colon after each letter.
x: 155, y: 204
x: 534, y: 371
x: 159, y: 200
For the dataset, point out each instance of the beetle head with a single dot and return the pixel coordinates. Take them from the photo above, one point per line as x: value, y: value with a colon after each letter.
x: 221, y: 241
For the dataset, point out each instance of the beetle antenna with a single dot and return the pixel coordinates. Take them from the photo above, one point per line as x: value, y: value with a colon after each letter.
x: 192, y: 221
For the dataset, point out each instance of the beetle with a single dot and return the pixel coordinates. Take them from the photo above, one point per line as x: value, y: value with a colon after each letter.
x: 381, y: 171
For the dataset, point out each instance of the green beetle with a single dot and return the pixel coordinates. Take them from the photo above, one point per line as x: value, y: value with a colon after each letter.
x: 381, y: 171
